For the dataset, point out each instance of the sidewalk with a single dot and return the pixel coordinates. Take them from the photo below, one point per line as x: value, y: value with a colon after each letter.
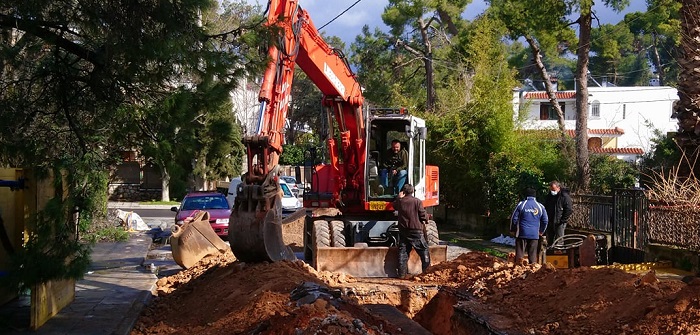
x: 108, y: 300
x: 135, y: 205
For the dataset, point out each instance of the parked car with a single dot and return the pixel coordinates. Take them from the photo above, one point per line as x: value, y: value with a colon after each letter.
x: 213, y: 202
x: 290, y: 203
x: 293, y: 185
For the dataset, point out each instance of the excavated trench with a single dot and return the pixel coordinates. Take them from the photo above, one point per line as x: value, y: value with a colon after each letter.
x: 439, y: 310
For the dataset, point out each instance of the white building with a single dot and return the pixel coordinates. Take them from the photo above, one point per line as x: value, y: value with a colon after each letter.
x: 621, y: 120
x: 246, y: 107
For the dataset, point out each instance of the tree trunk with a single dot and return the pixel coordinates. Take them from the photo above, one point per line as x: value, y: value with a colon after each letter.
x: 428, y: 64
x: 657, y: 59
x: 584, y: 46
x: 200, y: 182
x: 447, y: 20
x: 165, y: 183
x: 688, y: 107
x: 537, y: 56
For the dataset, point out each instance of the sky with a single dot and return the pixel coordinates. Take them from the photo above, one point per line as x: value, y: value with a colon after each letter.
x: 368, y: 12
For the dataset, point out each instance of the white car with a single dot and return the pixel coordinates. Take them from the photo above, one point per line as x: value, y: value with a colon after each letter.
x: 290, y: 203
x: 232, y: 190
x: 292, y: 183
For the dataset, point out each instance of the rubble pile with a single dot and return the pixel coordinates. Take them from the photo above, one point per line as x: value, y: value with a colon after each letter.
x: 476, y: 291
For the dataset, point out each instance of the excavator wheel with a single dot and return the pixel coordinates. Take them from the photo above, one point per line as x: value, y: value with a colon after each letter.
x: 431, y: 233
x: 320, y: 236
x: 337, y: 233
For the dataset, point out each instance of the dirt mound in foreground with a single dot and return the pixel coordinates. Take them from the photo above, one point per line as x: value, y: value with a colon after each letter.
x: 222, y: 297
x: 235, y: 298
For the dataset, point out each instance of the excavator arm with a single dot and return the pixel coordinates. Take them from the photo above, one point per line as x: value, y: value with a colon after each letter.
x: 255, y: 225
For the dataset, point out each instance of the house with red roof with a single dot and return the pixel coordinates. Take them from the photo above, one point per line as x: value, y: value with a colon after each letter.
x: 622, y: 121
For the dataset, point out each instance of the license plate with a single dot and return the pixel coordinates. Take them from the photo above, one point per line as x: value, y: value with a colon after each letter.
x: 377, y: 205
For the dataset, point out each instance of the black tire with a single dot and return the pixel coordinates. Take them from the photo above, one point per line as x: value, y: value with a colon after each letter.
x: 321, y: 236
x: 431, y: 233
x: 337, y: 234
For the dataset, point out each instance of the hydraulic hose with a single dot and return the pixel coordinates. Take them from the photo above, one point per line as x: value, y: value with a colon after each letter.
x: 568, y: 241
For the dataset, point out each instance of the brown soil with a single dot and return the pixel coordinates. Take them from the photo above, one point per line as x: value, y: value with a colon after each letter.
x: 219, y: 296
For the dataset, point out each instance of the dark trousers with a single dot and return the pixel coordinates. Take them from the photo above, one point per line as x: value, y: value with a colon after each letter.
x: 412, y: 239
x: 525, y: 245
x: 554, y: 232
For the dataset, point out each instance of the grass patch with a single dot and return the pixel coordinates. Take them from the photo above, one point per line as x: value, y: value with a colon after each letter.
x: 108, y: 234
x: 154, y: 202
x: 473, y: 244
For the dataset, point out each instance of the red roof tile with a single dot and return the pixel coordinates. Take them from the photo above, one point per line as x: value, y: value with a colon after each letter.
x: 541, y: 95
x: 610, y: 131
x: 622, y: 151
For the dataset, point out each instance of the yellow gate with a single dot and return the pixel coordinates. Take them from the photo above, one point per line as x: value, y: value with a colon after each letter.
x: 16, y: 207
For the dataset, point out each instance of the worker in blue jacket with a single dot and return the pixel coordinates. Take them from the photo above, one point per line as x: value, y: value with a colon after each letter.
x: 528, y: 223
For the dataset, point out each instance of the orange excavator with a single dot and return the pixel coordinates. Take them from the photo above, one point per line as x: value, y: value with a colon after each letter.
x: 360, y: 236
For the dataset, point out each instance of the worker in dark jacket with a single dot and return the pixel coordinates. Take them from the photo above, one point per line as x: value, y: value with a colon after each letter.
x: 528, y: 223
x: 412, y: 218
x: 559, y: 208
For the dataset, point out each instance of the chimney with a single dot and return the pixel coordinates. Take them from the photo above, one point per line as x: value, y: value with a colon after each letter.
x: 654, y: 81
x: 555, y: 82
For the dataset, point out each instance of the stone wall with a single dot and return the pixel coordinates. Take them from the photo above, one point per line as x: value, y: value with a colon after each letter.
x: 132, y: 192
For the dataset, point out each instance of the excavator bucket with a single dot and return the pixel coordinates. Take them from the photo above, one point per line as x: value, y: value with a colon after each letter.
x: 371, y: 261
x: 257, y: 236
x: 194, y: 240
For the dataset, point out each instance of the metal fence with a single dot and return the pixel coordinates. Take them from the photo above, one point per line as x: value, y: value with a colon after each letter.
x: 677, y: 226
x: 624, y: 216
x: 633, y: 223
x: 592, y: 213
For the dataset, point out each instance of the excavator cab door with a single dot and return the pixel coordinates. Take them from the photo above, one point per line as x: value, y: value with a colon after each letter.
x: 416, y: 165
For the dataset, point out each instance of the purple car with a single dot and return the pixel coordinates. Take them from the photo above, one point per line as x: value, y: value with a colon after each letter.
x: 212, y: 202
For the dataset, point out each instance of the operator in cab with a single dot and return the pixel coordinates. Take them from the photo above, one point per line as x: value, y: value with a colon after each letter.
x: 395, y: 165
x: 412, y: 219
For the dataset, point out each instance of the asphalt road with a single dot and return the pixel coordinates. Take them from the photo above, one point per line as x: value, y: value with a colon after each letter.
x: 151, y: 213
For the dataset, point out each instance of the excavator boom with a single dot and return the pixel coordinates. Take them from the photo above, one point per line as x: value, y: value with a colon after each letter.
x: 255, y: 225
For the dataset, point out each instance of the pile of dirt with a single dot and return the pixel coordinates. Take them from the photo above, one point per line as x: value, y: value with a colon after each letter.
x: 220, y: 296
x: 543, y: 300
x: 209, y: 263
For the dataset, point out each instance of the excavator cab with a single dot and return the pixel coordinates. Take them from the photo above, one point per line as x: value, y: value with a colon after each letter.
x: 384, y: 127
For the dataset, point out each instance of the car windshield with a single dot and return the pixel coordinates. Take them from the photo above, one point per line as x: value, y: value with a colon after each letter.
x: 286, y: 191
x: 204, y: 202
x: 289, y: 180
